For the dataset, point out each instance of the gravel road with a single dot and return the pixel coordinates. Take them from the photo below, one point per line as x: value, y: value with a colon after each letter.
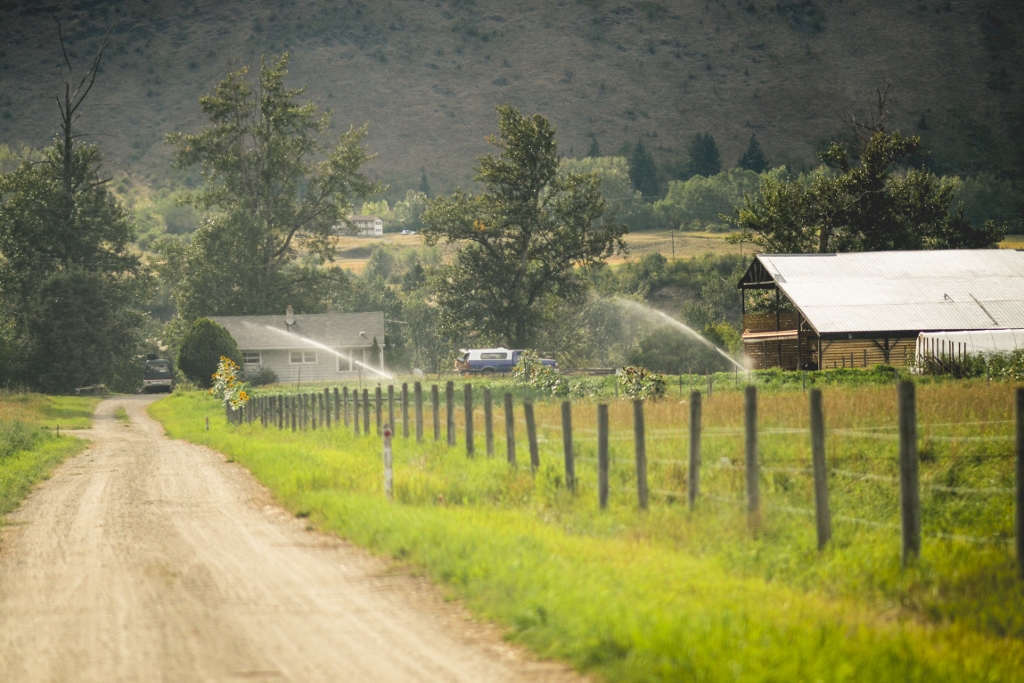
x: 147, y: 559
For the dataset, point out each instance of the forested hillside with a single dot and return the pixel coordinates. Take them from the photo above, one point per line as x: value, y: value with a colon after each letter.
x: 426, y: 75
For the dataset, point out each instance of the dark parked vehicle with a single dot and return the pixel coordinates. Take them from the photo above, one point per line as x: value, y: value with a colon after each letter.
x: 158, y: 376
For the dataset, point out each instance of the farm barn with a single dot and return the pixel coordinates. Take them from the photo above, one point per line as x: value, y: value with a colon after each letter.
x: 814, y: 311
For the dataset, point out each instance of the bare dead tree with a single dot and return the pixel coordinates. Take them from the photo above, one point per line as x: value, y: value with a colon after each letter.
x: 69, y: 107
x: 863, y: 130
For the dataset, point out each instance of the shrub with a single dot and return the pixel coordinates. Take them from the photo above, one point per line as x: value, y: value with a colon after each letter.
x: 637, y: 382
x: 201, y: 351
x: 530, y: 371
x: 260, y: 376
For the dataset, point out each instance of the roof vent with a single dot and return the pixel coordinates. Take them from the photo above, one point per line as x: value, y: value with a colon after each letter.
x: 289, y: 316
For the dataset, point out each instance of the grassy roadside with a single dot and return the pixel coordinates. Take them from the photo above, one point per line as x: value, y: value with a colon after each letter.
x: 664, y: 595
x: 29, y: 445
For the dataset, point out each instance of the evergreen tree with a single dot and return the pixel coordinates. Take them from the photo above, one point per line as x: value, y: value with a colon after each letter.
x: 425, y: 184
x: 753, y: 159
x: 643, y: 173
x: 704, y: 157
x: 595, y: 149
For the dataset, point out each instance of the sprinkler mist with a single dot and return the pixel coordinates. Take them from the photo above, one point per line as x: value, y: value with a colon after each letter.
x: 654, y: 313
x: 344, y: 356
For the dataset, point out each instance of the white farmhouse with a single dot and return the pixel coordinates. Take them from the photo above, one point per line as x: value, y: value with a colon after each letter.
x: 311, y: 347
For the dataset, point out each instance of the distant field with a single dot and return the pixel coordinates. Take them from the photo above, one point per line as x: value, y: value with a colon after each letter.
x: 1012, y: 242
x: 354, y: 252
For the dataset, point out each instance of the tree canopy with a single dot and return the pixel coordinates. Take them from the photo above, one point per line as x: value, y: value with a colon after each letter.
x: 270, y: 183
x: 863, y: 199
x: 521, y: 238
x: 71, y: 288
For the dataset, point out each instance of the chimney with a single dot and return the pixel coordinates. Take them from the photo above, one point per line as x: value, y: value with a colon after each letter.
x: 289, y: 316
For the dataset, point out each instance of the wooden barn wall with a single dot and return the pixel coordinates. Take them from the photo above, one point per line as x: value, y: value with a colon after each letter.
x: 763, y: 354
x: 765, y: 322
x: 838, y: 353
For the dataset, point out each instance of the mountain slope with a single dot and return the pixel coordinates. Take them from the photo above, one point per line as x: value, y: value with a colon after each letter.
x: 427, y: 75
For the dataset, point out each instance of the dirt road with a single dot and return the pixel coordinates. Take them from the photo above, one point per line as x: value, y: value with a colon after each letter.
x: 146, y: 559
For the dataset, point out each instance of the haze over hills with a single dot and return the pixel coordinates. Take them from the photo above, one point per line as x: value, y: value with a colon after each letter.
x: 426, y: 75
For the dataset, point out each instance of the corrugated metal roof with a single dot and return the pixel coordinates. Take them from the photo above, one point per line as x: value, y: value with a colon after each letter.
x: 903, y: 291
x: 336, y: 330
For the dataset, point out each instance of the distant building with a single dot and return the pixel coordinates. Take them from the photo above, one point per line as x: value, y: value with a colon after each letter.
x: 312, y: 347
x: 368, y: 226
x: 861, y: 309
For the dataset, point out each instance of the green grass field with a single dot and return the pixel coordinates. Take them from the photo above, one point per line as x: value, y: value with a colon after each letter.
x: 29, y: 445
x: 674, y: 594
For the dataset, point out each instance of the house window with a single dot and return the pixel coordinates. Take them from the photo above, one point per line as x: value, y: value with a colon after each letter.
x: 302, y: 357
x: 345, y: 362
x: 251, y: 358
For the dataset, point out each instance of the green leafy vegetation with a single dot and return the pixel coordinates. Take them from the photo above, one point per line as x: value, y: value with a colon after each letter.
x: 29, y: 449
x: 520, y: 239
x: 202, y: 349
x: 671, y: 594
x: 272, y: 184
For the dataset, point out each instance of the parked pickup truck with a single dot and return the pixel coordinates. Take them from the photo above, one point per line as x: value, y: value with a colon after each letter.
x: 486, y: 361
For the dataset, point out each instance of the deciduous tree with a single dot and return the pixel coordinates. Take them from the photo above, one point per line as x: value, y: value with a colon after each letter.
x: 519, y: 240
x: 864, y: 199
x: 72, y: 290
x: 270, y: 184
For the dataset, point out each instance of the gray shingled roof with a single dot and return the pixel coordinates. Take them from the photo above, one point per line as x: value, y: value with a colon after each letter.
x: 266, y: 332
x: 903, y: 290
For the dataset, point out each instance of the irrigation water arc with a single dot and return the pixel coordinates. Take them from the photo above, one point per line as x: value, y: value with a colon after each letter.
x: 682, y: 327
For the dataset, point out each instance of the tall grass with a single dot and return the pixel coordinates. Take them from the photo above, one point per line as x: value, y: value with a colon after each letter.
x: 29, y: 450
x: 672, y: 594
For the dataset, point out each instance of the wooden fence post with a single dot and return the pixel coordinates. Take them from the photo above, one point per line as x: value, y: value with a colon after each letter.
x: 337, y: 407
x: 467, y: 399
x: 355, y: 412
x: 822, y: 512
x: 693, y: 484
x: 1019, y: 500
x: 753, y: 471
x: 602, y: 455
x: 910, y: 500
x: 327, y: 407
x: 531, y: 434
x: 570, y: 459
x: 417, y: 399
x: 640, y: 447
x: 488, y: 422
x: 391, y: 407
x: 449, y: 404
x: 344, y: 404
x: 366, y: 411
x: 510, y: 431
x: 435, y: 400
x: 405, y: 410
x: 389, y: 479
x: 280, y: 412
x: 314, y: 409
x: 292, y: 411
x: 378, y: 406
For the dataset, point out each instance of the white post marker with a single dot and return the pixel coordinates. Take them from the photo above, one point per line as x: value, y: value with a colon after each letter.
x: 389, y: 488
